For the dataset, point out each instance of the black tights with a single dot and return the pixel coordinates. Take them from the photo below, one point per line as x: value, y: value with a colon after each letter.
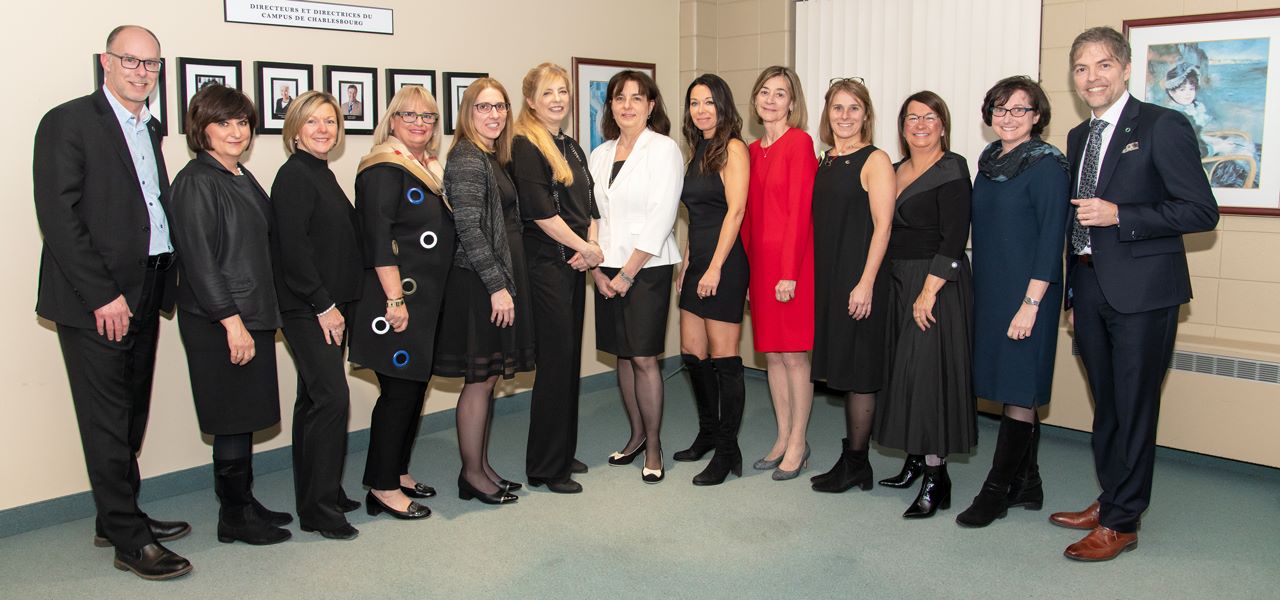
x: 859, y: 411
x: 640, y: 383
x: 232, y: 447
x: 475, y: 420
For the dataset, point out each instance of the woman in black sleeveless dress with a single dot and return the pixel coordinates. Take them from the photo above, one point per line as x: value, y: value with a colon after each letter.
x: 713, y: 280
x: 852, y: 215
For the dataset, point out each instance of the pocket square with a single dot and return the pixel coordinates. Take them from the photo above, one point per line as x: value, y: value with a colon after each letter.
x: 1130, y: 147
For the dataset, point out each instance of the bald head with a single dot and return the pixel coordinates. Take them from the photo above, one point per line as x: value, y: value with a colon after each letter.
x: 135, y: 29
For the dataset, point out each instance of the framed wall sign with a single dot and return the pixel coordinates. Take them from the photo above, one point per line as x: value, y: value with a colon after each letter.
x: 590, y: 84
x: 310, y: 15
x: 455, y: 83
x: 196, y: 73
x: 357, y: 92
x: 277, y: 85
x: 156, y: 103
x: 1216, y: 70
x: 398, y: 78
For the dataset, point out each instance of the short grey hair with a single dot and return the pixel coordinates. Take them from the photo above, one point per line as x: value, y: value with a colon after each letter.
x: 1109, y: 38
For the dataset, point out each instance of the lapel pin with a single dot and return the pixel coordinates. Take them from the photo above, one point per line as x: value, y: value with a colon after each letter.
x: 1128, y: 129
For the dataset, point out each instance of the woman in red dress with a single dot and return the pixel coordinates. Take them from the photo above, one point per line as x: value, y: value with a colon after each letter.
x: 777, y: 234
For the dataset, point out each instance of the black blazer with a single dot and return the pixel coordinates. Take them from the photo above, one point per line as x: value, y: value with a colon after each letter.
x: 222, y: 229
x: 91, y: 210
x: 315, y: 237
x: 1152, y: 172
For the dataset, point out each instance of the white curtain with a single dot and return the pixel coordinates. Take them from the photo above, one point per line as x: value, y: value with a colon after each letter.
x: 957, y: 48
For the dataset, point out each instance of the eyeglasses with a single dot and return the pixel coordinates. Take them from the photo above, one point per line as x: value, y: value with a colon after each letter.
x: 132, y: 62
x: 1017, y: 111
x: 485, y: 108
x: 929, y: 119
x: 835, y: 80
x: 410, y: 117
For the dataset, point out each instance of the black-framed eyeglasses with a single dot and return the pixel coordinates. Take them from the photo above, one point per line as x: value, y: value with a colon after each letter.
x: 132, y: 62
x: 410, y: 117
x: 835, y: 80
x: 485, y: 108
x: 1017, y: 111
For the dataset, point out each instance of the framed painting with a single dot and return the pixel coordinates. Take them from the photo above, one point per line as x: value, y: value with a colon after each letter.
x: 590, y: 84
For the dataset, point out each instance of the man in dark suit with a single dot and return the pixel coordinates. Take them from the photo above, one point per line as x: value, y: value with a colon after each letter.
x: 100, y: 188
x: 1138, y: 187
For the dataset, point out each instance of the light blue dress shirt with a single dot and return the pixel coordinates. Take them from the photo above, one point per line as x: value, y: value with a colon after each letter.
x: 144, y: 163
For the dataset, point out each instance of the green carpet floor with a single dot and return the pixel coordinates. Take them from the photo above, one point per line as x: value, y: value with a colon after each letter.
x: 1213, y: 531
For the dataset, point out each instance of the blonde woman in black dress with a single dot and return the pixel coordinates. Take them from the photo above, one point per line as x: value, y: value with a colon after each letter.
x: 713, y: 280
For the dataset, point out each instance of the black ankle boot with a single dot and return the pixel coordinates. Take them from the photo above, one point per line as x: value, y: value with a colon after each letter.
x: 705, y: 394
x: 238, y: 520
x: 853, y: 469
x: 1027, y: 490
x: 837, y: 468
x: 991, y: 502
x: 911, y: 469
x: 732, y: 397
x: 935, y: 493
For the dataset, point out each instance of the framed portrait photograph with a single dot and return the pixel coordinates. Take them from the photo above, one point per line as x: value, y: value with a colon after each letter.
x: 455, y: 83
x: 590, y: 85
x: 1216, y: 70
x: 196, y: 73
x: 156, y: 104
x: 356, y: 89
x: 277, y: 85
x: 398, y: 78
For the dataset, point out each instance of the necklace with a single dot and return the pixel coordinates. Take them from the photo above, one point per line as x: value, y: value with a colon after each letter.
x: 764, y: 150
x: 836, y: 152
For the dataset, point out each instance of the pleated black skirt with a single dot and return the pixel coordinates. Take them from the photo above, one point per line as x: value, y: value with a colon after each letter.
x: 469, y: 345
x: 928, y: 406
x: 229, y: 398
x: 635, y: 324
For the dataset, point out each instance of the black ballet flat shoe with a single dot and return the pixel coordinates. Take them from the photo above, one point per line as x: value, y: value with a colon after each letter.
x: 509, y: 486
x: 652, y: 475
x: 563, y: 486
x: 347, y: 505
x: 577, y: 467
x: 374, y: 506
x: 152, y: 562
x: 618, y: 459
x: 466, y: 491
x: 162, y: 531
x: 419, y: 490
x: 342, y: 532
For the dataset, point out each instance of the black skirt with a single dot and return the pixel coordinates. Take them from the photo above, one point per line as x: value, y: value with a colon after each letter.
x: 472, y: 347
x: 229, y: 398
x: 635, y: 324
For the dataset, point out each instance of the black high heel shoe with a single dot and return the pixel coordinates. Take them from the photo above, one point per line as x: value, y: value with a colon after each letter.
x: 617, y: 459
x: 415, y: 511
x: 419, y: 490
x: 911, y: 470
x: 466, y: 491
x: 935, y: 493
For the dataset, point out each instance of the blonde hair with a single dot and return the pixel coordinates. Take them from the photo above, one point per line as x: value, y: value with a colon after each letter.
x: 300, y: 110
x: 467, y: 126
x: 408, y: 95
x: 528, y: 125
x: 798, y: 115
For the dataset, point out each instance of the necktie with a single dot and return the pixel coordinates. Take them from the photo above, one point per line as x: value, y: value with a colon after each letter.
x: 1088, y: 183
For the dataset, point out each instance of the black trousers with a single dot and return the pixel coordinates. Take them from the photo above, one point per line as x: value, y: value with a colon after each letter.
x: 559, y: 298
x: 392, y: 430
x: 1126, y: 357
x: 111, y: 390
x: 319, y: 421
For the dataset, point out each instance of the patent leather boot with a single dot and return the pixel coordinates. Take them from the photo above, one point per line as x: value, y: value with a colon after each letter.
x: 911, y: 470
x: 935, y: 493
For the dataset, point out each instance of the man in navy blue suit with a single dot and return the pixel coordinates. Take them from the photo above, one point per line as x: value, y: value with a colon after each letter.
x: 1138, y: 187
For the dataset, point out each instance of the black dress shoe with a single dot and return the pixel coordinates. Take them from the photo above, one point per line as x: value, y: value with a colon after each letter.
x: 564, y: 486
x: 162, y: 531
x: 342, y: 532
x: 374, y: 506
x: 419, y: 490
x: 153, y: 562
x: 466, y: 491
x: 510, y: 486
x: 577, y: 467
x: 347, y: 505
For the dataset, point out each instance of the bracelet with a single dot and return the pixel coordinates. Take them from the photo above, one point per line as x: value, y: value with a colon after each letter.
x: 394, y: 302
x: 627, y: 278
x: 326, y: 311
x: 1031, y: 301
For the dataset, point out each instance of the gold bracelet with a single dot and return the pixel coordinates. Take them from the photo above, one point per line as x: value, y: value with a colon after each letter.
x: 394, y: 302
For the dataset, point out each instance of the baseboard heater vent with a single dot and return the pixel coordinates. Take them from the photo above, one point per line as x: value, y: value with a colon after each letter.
x: 1223, y: 366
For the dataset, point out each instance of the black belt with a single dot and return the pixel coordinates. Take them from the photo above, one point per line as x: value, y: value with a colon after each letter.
x: 160, y: 262
x: 1084, y: 259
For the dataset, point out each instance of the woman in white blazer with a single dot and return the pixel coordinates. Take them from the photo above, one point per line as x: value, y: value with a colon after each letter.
x: 638, y: 174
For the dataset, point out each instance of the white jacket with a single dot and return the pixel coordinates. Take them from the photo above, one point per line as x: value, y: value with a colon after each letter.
x: 638, y: 211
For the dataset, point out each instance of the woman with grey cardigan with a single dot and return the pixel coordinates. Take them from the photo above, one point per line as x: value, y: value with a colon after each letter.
x: 486, y: 330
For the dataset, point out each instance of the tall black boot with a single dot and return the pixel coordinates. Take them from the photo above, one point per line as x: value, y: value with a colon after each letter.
x: 237, y: 519
x: 728, y: 456
x: 935, y: 493
x: 706, y: 392
x: 274, y: 517
x: 1011, y: 449
x: 1027, y: 490
x: 911, y: 469
x: 853, y: 469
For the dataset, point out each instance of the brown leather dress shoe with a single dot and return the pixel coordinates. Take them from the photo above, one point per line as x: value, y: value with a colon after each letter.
x: 1086, y: 519
x: 1101, y: 544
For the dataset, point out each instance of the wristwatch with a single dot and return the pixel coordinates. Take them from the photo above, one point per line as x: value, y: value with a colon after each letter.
x: 1030, y: 300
